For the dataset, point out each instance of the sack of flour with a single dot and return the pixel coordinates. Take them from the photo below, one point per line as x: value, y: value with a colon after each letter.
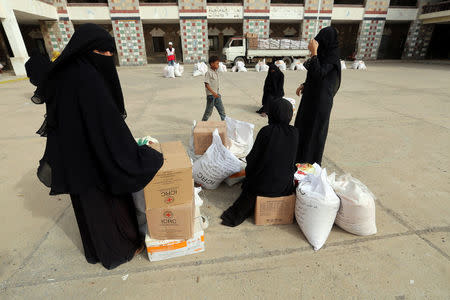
x: 240, y: 134
x: 178, y: 70
x: 241, y: 66
x: 316, y: 207
x: 357, y: 211
x: 237, y: 177
x: 169, y: 72
x: 281, y: 65
x: 222, y: 67
x: 343, y: 65
x: 215, y: 165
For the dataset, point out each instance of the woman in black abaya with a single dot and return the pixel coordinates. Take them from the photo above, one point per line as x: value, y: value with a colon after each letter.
x: 322, y: 83
x: 273, y: 88
x: 37, y: 67
x: 90, y: 152
x: 270, y: 165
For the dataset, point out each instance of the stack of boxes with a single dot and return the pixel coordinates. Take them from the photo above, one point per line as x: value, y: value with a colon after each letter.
x: 170, y: 207
x: 252, y: 40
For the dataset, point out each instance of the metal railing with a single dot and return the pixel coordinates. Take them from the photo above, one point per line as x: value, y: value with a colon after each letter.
x: 436, y: 7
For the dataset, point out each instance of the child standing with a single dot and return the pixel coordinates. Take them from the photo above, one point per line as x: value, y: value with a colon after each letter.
x: 212, y: 82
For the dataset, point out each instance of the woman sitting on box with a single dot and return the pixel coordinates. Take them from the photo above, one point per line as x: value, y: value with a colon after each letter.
x: 270, y: 165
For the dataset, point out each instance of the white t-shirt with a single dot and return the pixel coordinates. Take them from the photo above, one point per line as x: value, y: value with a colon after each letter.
x: 169, y: 52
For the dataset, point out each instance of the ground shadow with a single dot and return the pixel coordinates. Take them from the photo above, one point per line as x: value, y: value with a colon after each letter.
x: 246, y: 107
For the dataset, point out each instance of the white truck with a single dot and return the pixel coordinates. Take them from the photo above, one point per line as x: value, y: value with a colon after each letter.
x: 252, y: 49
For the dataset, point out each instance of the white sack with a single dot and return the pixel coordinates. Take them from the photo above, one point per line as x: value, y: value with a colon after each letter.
x: 316, y: 207
x: 178, y: 70
x: 240, y: 134
x: 232, y: 179
x: 359, y: 65
x: 222, y: 67
x: 343, y: 65
x: 234, y: 69
x: 281, y: 65
x: 357, y: 212
x: 215, y: 165
x: 241, y: 66
x: 169, y: 72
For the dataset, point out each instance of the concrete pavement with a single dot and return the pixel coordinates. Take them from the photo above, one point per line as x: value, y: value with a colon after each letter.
x: 389, y: 128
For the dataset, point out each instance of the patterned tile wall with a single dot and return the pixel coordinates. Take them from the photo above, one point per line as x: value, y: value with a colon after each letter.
x: 256, y: 17
x: 258, y: 26
x: 128, y: 32
x: 194, y: 37
x: 193, y: 30
x: 371, y: 29
x: 310, y: 25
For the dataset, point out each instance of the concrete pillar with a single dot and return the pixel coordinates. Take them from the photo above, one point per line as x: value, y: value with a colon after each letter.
x: 193, y: 30
x: 128, y: 32
x: 257, y: 17
x: 314, y: 19
x: 15, y: 40
x: 371, y: 29
x: 57, y: 33
x: 419, y: 37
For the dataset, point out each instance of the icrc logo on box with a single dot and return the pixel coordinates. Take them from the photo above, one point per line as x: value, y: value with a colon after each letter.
x: 169, y: 195
x: 168, y: 217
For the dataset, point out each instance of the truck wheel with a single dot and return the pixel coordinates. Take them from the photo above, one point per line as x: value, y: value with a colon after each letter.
x: 240, y: 58
x: 288, y: 61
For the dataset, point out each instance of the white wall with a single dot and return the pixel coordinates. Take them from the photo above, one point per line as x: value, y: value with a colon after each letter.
x: 401, y: 14
x: 84, y: 13
x: 34, y: 7
x: 286, y: 12
x: 347, y: 13
x: 159, y: 13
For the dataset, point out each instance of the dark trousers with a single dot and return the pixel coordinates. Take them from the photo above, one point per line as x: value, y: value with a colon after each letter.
x: 210, y: 104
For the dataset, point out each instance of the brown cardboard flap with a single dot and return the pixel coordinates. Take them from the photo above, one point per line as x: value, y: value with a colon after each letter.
x: 203, y: 135
x: 275, y: 211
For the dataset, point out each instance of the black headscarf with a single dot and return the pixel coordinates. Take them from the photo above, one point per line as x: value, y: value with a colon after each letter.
x: 328, y: 51
x: 87, y: 37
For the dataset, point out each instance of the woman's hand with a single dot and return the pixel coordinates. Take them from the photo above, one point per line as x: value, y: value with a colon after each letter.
x: 300, y: 90
x: 313, y: 46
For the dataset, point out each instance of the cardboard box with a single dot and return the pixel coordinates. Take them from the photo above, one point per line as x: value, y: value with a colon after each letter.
x: 172, y: 185
x: 165, y: 249
x: 203, y: 135
x: 171, y: 223
x: 275, y: 211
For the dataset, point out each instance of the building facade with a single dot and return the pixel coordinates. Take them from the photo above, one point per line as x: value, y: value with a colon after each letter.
x: 368, y: 29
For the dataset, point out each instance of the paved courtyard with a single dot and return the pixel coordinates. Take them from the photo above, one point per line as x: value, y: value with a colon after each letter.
x: 390, y: 128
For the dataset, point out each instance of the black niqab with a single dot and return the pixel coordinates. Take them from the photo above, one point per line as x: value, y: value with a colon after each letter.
x: 322, y: 83
x: 37, y: 67
x: 270, y: 164
x: 273, y: 87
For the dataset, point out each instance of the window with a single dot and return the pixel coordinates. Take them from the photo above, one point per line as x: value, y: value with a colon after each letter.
x: 158, y: 44
x: 226, y: 38
x: 237, y: 43
x: 213, y: 42
x: 403, y: 3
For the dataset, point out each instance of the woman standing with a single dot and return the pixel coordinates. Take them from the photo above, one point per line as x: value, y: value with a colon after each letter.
x: 90, y: 152
x: 273, y: 88
x: 322, y: 83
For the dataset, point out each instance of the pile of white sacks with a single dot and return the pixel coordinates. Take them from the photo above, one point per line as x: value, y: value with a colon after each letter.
x: 261, y: 66
x: 173, y: 71
x: 326, y: 200
x: 297, y: 65
x: 200, y: 69
x: 239, y: 67
x: 359, y: 65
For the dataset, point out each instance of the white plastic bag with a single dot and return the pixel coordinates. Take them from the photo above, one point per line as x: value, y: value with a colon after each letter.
x: 222, y: 67
x: 357, y: 212
x: 169, y: 72
x: 281, y: 65
x: 359, y: 65
x: 237, y: 177
x: 200, y: 69
x: 316, y: 207
x: 178, y: 70
x: 240, y: 134
x: 343, y: 65
x: 292, y: 101
x: 241, y: 66
x: 261, y: 66
x: 215, y: 165
x: 234, y: 69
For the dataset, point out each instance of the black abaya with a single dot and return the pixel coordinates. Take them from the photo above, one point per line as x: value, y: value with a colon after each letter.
x: 273, y: 87
x: 90, y: 152
x: 270, y: 164
x: 322, y: 82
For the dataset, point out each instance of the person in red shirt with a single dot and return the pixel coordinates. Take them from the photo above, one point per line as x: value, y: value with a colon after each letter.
x: 170, y: 54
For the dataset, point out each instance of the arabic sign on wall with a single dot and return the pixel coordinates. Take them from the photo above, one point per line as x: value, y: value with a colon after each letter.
x: 286, y: 12
x: 224, y: 12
